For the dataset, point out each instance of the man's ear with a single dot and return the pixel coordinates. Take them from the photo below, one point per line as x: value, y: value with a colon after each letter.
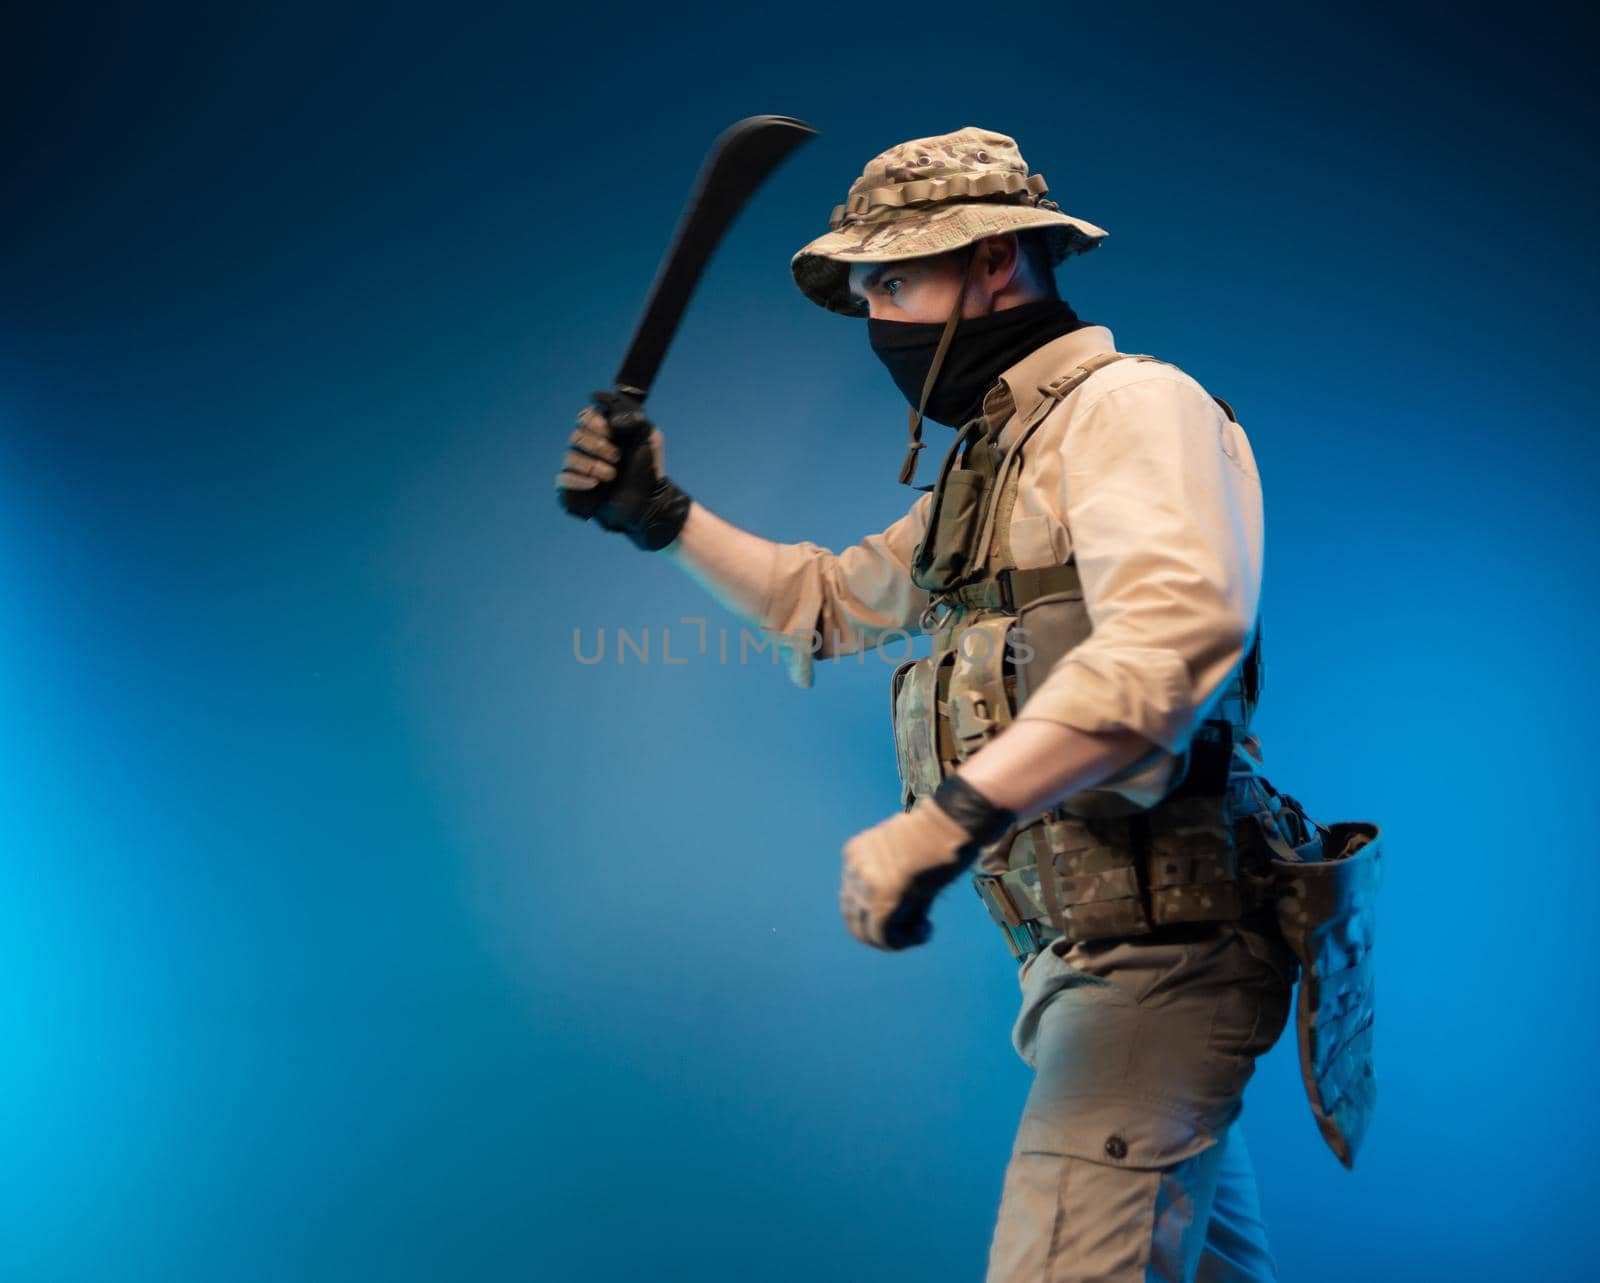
x: 1001, y: 257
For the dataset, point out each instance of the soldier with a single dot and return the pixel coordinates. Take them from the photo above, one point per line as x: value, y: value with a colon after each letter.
x: 1089, y: 562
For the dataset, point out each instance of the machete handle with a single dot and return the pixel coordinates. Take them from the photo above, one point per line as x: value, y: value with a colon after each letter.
x: 628, y: 428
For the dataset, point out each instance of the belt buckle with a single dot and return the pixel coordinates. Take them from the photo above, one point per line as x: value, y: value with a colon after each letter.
x: 996, y: 899
x: 1021, y: 936
x: 1024, y: 941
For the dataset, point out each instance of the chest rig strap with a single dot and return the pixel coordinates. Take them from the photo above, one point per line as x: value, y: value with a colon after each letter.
x: 1011, y: 588
x: 956, y: 559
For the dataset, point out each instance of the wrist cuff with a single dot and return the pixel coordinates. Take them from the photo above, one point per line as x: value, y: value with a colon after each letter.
x: 665, y: 512
x: 972, y: 811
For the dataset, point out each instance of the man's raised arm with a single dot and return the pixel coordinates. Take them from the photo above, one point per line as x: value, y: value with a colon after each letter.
x: 814, y: 602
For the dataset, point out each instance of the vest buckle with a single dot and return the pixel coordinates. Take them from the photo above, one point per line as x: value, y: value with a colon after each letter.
x: 1002, y: 580
x: 931, y: 620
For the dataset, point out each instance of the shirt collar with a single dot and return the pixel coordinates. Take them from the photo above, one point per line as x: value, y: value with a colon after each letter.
x: 1017, y: 394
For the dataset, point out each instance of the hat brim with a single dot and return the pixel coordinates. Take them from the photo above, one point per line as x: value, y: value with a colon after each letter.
x: 822, y: 268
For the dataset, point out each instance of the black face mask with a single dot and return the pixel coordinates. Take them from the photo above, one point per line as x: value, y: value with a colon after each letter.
x: 982, y: 348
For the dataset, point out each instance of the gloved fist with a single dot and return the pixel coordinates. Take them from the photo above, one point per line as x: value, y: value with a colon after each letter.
x: 893, y: 871
x: 614, y: 471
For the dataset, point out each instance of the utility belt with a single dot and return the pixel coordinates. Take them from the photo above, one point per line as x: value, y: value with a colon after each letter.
x: 1179, y: 865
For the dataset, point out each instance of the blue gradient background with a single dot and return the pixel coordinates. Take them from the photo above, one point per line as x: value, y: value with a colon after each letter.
x: 352, y: 929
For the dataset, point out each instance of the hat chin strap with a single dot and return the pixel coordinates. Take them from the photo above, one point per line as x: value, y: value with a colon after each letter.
x: 908, y: 469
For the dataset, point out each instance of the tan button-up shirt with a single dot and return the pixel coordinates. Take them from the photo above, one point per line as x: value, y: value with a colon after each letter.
x: 1141, y: 478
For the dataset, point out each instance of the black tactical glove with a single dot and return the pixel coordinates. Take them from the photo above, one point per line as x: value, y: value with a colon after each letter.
x: 614, y: 473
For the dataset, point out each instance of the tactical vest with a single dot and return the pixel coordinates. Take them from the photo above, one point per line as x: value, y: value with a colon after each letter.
x: 1095, y: 865
x: 1221, y: 846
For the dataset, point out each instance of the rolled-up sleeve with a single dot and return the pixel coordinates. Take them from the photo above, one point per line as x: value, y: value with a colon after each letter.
x: 822, y: 604
x: 1160, y: 494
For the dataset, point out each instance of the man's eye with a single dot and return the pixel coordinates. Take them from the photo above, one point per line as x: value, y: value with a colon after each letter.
x: 890, y: 285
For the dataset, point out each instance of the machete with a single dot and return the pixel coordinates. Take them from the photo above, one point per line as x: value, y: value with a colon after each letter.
x: 740, y: 161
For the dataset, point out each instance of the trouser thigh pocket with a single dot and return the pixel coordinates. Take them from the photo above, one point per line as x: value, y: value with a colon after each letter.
x: 1070, y: 1219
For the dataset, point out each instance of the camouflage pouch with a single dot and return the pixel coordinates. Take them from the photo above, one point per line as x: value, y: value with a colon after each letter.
x: 1325, y: 910
x: 981, y: 688
x: 1087, y: 876
x: 923, y: 742
x: 1192, y: 868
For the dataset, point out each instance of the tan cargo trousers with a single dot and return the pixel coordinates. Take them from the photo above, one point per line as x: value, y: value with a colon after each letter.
x: 1127, y: 1164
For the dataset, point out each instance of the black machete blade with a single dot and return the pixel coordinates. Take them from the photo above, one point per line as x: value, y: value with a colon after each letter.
x: 740, y: 161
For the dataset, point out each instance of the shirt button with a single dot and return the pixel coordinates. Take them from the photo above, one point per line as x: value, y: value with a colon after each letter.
x: 1116, y: 1147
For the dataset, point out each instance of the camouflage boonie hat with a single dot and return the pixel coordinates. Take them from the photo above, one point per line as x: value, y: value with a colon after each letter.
x: 926, y: 197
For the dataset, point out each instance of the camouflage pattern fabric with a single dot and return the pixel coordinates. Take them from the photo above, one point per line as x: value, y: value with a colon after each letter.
x: 1326, y: 914
x: 1099, y: 878
x: 1193, y: 865
x: 979, y: 698
x: 924, y: 747
x: 929, y: 196
x: 1089, y: 868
